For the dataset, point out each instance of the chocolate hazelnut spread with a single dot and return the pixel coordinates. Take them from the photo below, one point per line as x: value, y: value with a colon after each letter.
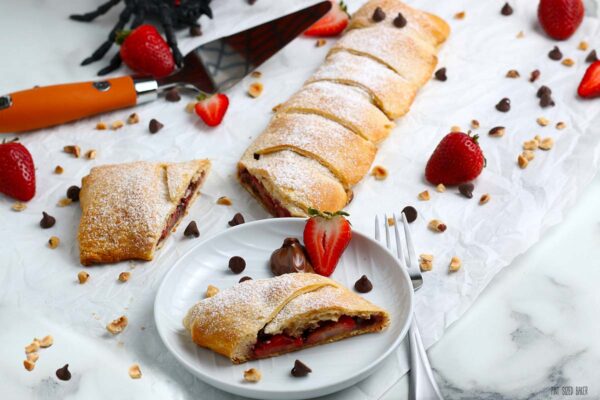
x: 289, y: 258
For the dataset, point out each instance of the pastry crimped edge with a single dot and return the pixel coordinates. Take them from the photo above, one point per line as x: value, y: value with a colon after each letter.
x: 125, y: 222
x: 229, y: 322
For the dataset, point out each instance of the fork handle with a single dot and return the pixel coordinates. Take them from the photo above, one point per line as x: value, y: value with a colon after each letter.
x: 422, y: 383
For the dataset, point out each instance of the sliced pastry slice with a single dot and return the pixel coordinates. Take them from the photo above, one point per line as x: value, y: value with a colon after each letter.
x: 347, y: 105
x: 128, y: 210
x: 392, y: 93
x: 269, y: 317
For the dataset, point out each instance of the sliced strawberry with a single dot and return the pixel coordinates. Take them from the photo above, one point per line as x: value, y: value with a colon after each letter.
x: 332, y: 23
x: 17, y: 171
x: 277, y: 344
x: 326, y: 236
x: 212, y: 109
x: 343, y: 325
x: 590, y: 84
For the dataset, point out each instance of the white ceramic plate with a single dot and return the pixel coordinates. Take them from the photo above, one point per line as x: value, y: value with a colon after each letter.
x: 335, y: 366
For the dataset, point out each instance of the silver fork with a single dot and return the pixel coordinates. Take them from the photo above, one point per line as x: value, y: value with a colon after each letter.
x: 422, y: 385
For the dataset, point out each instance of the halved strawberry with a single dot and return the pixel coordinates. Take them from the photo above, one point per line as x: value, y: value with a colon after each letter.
x: 326, y: 236
x: 590, y: 84
x: 17, y: 171
x: 332, y: 23
x: 277, y: 344
x: 212, y: 109
x: 343, y: 325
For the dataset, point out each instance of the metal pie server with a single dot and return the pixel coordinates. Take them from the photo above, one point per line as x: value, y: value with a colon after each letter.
x: 212, y: 67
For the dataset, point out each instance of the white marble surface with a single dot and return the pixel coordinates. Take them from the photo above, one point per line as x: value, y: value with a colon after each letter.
x: 532, y: 340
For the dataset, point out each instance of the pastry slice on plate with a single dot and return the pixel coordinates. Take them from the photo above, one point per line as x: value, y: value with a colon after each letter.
x: 128, y: 210
x: 269, y: 317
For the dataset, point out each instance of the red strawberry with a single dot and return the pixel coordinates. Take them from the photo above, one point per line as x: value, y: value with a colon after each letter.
x: 456, y: 159
x: 326, y: 236
x: 332, y: 23
x: 212, y: 109
x: 146, y: 52
x: 277, y: 344
x: 560, y: 18
x: 590, y: 84
x: 17, y: 172
x: 343, y: 325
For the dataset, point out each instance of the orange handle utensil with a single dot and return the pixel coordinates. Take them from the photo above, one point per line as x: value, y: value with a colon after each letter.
x: 52, y: 105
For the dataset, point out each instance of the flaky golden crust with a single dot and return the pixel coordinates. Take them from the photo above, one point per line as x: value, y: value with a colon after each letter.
x: 125, y: 207
x: 370, y: 76
x: 229, y: 322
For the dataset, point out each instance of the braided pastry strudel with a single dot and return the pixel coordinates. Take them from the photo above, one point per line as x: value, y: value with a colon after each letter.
x: 322, y: 141
x: 128, y: 210
x: 269, y: 317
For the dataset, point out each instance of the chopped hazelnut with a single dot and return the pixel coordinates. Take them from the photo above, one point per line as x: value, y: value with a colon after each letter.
x: 568, y: 62
x: 101, y: 126
x: 513, y: 73
x: 424, y: 195
x: 484, y: 199
x: 252, y: 375
x: 455, y: 264
x: 520, y: 35
x: 460, y: 15
x: 29, y: 365
x: 542, y: 121
x: 546, y: 143
x: 426, y: 262
x: 320, y: 42
x: 72, y: 149
x: 118, y: 124
x: 256, y: 74
x: 224, y: 201
x: 124, y: 276
x: 211, y: 291
x: 528, y: 154
x: 58, y: 170
x: 455, y: 128
x: 497, y: 131
x: 83, y: 277
x: 53, y: 242
x: 560, y: 125
x: 190, y: 107
x: 379, y: 172
x: 583, y: 45
x: 32, y: 347
x: 18, y: 206
x: 117, y: 325
x: 65, y: 201
x: 33, y: 357
x: 133, y: 119
x: 522, y: 161
x: 46, y: 341
x: 255, y: 89
x: 474, y: 124
x: 391, y: 221
x: 90, y: 154
x: 135, y: 372
x: 437, y: 225
x: 440, y: 188
x: 530, y: 145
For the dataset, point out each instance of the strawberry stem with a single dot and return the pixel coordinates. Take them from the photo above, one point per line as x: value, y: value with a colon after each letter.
x: 202, y: 96
x: 121, y: 36
x: 326, y: 214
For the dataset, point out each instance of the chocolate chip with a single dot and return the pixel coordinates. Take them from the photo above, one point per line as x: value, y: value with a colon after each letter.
x: 535, y: 74
x: 378, y: 15
x: 546, y: 101
x: 172, y: 95
x: 195, y: 30
x: 73, y: 193
x: 237, y: 264
x: 503, y: 105
x: 251, y: 2
x: 363, y: 285
x: 191, y: 230
x: 411, y: 214
x: 506, y: 10
x: 555, y: 54
x: 256, y: 156
x: 155, y: 126
x: 543, y: 90
x: 47, y: 221
x: 244, y: 279
x: 592, y: 57
x: 399, y: 21
x: 466, y: 189
x: 300, y: 369
x: 237, y: 219
x: 63, y: 373
x: 440, y: 74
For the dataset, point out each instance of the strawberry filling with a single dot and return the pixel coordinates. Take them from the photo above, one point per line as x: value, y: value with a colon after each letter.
x: 181, y: 207
x: 268, y: 345
x: 272, y: 205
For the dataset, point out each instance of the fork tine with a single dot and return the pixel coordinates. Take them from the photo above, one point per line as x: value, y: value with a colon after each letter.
x: 387, y: 233
x: 377, y: 233
x: 399, y: 248
x: 412, y: 258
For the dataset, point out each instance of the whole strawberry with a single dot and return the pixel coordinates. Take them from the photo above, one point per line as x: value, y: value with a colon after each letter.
x: 326, y: 236
x: 456, y: 159
x: 146, y: 52
x: 560, y: 18
x: 17, y: 172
